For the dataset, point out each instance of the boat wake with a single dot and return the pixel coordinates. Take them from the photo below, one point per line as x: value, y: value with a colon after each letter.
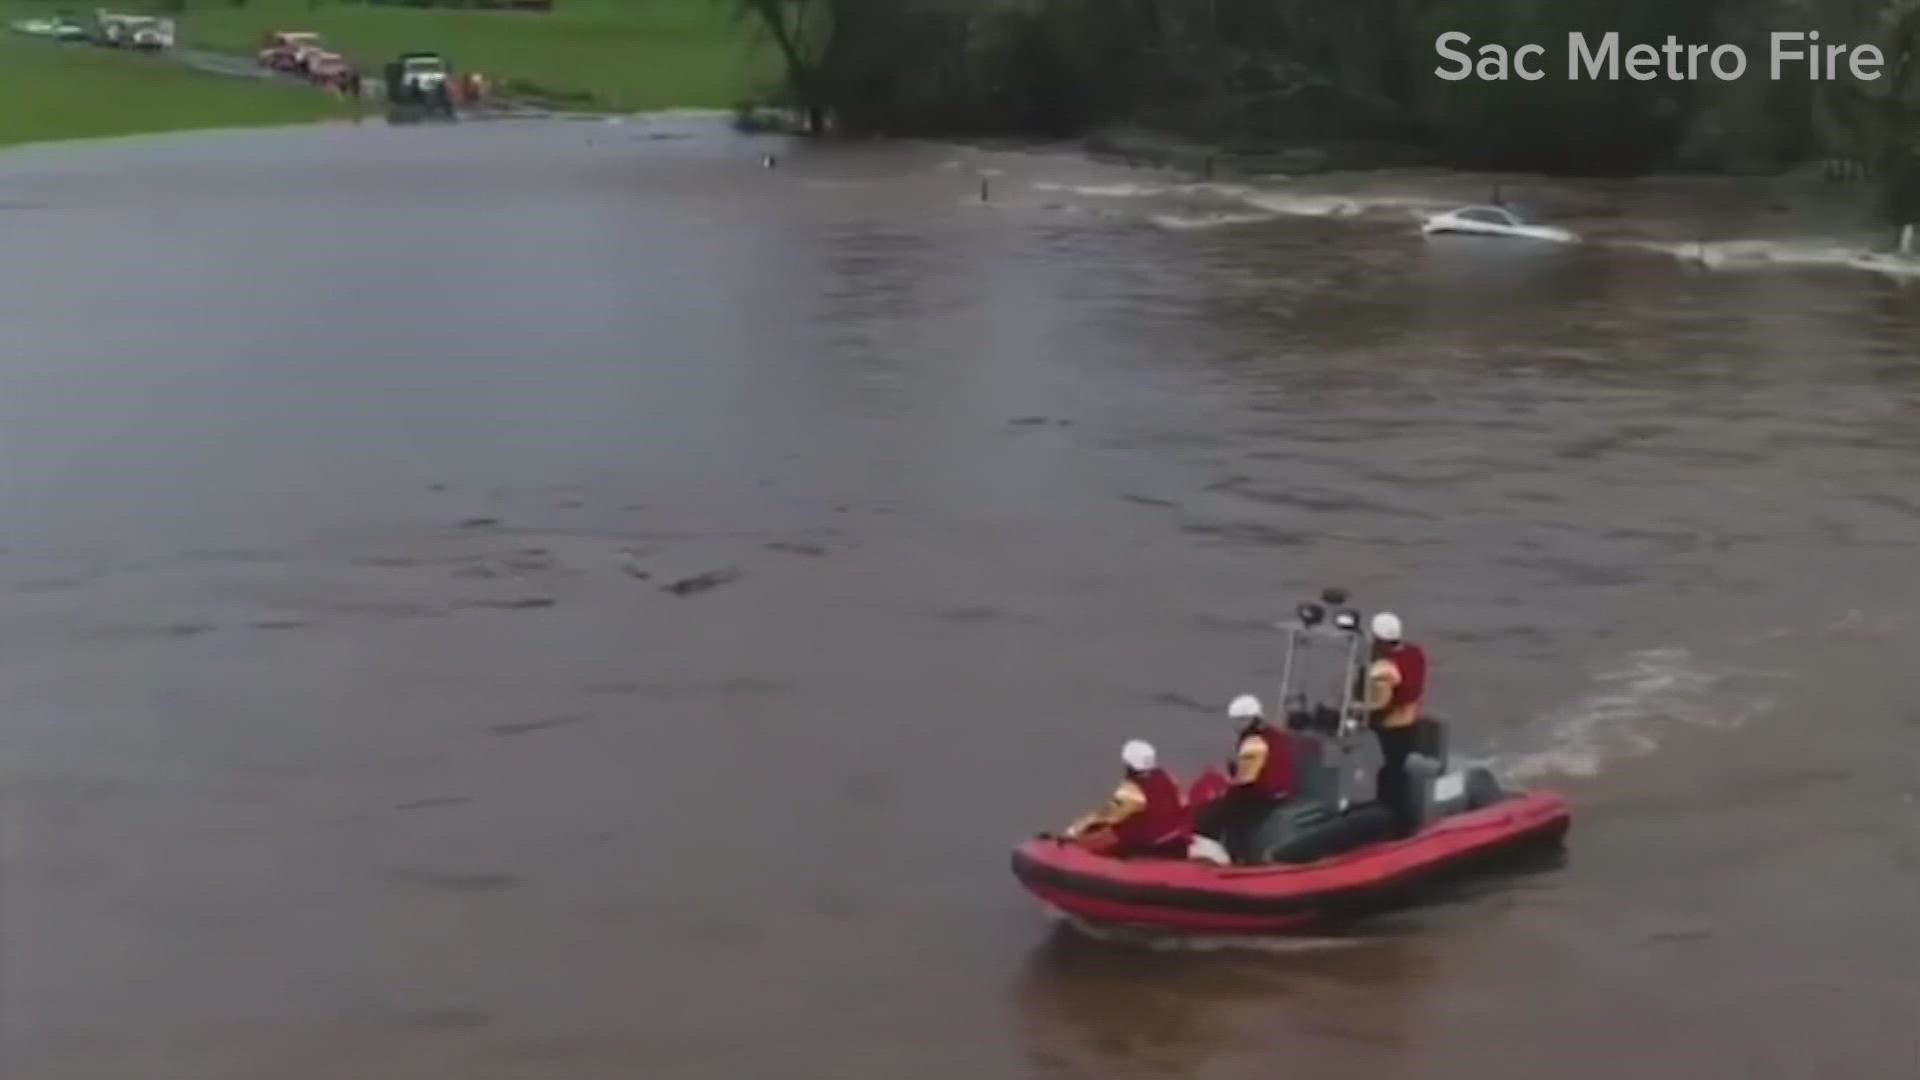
x: 1305, y: 204
x: 1213, y: 205
x: 1191, y: 222
x: 1273, y: 945
x: 1855, y: 622
x: 1247, y: 204
x: 1108, y: 191
x: 1783, y: 253
x: 1627, y: 713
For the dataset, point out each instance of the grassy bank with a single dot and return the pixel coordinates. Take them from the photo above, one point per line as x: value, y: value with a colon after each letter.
x: 53, y: 91
x: 624, y: 55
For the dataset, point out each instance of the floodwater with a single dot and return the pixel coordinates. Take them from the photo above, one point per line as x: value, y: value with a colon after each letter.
x: 351, y: 724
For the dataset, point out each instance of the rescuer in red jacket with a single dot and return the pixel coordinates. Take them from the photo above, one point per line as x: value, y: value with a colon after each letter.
x: 1146, y: 814
x: 1262, y: 772
x: 1396, y: 687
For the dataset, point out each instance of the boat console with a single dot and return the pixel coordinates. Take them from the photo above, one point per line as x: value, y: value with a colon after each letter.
x: 1322, y: 687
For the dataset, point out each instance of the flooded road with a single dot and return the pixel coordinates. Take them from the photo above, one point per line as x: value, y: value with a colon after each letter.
x: 563, y: 600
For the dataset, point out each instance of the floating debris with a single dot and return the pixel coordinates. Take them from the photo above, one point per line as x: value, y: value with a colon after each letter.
x: 385, y: 562
x: 525, y: 603
x: 700, y: 583
x: 1182, y: 701
x: 480, y: 523
x: 530, y: 561
x: 523, y: 727
x: 435, y: 803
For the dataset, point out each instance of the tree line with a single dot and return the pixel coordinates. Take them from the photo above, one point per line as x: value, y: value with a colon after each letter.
x: 1352, y: 72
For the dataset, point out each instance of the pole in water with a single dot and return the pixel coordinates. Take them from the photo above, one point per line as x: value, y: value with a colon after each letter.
x: 1906, y: 239
x: 983, y: 189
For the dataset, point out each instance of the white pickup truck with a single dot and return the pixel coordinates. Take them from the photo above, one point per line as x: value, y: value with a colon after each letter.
x: 419, y: 83
x: 134, y: 31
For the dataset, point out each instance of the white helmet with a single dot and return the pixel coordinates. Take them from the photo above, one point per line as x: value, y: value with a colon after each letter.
x: 1386, y: 626
x: 1138, y: 754
x: 1245, y: 707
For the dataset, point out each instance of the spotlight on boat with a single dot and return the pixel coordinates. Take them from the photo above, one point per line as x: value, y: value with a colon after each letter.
x: 1334, y: 596
x: 1311, y: 614
x: 1347, y: 619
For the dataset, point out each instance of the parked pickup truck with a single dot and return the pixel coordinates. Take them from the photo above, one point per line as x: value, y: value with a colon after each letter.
x: 133, y: 31
x: 289, y: 50
x: 329, y: 68
x: 152, y: 34
x: 419, y: 84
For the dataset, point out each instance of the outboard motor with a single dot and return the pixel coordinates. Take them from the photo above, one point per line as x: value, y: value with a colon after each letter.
x: 1439, y: 790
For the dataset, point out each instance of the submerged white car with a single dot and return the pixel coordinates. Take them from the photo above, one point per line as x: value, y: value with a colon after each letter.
x: 1493, y: 221
x: 151, y: 33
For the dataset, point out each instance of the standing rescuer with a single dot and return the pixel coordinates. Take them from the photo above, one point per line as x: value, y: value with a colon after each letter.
x: 1262, y: 775
x: 1396, y: 685
x: 1145, y: 815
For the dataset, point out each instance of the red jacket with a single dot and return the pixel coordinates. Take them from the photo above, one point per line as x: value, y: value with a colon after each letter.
x: 1411, y: 659
x: 1161, y: 823
x: 1272, y: 764
x: 1406, y: 665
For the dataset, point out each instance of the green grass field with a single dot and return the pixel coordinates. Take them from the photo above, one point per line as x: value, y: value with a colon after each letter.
x: 618, y: 55
x: 54, y: 91
x: 628, y: 55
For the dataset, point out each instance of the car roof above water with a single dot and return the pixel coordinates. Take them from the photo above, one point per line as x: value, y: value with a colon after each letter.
x: 1496, y: 214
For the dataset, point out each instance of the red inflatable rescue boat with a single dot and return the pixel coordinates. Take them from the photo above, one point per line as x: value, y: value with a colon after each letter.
x: 1327, y: 854
x: 1190, y: 896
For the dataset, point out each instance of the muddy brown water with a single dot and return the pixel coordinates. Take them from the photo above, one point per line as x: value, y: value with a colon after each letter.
x: 351, y: 724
